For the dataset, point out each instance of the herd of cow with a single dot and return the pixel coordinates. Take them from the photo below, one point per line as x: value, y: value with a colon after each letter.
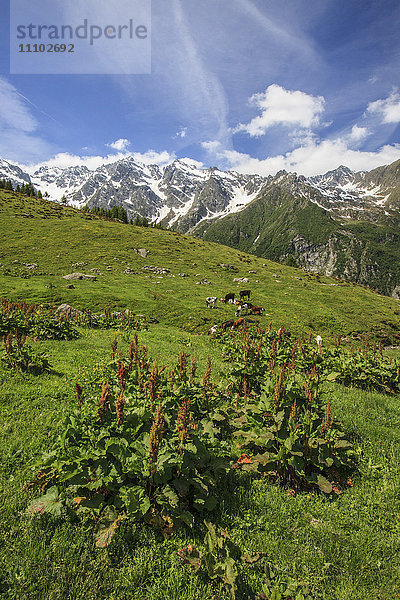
x: 244, y: 308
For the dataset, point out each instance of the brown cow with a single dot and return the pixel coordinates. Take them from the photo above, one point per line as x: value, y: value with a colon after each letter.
x: 256, y: 310
x: 226, y: 324
x: 238, y: 323
x: 229, y: 298
x: 244, y: 294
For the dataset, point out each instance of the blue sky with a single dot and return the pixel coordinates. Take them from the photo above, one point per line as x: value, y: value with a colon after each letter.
x: 253, y: 85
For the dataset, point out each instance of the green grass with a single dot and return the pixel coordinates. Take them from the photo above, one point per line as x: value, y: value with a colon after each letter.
x: 346, y: 548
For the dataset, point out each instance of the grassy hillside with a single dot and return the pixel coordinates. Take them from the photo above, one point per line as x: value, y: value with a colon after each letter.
x: 364, y: 252
x: 56, y: 238
x: 267, y: 226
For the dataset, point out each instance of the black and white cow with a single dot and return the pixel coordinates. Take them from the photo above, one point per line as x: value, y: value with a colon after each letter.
x: 211, y: 302
x: 242, y: 310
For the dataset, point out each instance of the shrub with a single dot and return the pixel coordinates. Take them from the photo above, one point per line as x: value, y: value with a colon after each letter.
x: 19, y: 356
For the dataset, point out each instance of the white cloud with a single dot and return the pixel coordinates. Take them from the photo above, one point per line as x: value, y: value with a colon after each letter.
x: 313, y: 158
x: 211, y: 145
x: 14, y: 114
x: 120, y: 145
x: 387, y: 108
x: 152, y: 157
x: 279, y: 106
x: 18, y: 137
x: 358, y: 134
x: 201, y: 94
x: 181, y: 133
x: 64, y: 160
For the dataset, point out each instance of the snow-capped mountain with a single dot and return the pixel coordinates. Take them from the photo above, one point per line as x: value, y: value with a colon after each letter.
x: 183, y: 195
x: 14, y: 173
x: 178, y: 194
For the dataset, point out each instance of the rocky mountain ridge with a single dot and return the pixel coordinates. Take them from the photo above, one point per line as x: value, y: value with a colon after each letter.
x: 182, y: 195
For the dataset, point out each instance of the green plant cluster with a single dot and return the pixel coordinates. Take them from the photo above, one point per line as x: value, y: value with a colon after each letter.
x: 17, y: 355
x: 155, y: 442
x: 282, y: 421
x: 144, y: 448
x: 26, y: 189
x: 35, y: 321
x: 252, y: 354
x: 126, y: 322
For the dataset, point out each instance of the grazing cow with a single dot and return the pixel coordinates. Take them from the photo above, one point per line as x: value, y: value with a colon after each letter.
x: 318, y: 339
x: 238, y: 324
x: 211, y: 302
x: 256, y: 310
x: 244, y: 294
x: 242, y: 310
x: 212, y: 330
x: 229, y: 298
x: 226, y: 324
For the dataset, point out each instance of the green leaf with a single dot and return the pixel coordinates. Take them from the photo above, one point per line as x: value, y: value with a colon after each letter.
x: 105, y: 533
x: 171, y: 496
x: 187, y: 518
x: 136, y: 502
x: 342, y: 444
x: 210, y: 503
x: 332, y: 376
x: 95, y: 502
x: 49, y: 503
x: 324, y: 485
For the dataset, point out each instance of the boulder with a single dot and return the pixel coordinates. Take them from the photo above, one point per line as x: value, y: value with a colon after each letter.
x: 396, y: 292
x: 76, y: 276
x: 63, y: 309
x: 141, y: 251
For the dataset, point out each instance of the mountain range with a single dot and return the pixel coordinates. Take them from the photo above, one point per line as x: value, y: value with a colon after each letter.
x: 341, y: 223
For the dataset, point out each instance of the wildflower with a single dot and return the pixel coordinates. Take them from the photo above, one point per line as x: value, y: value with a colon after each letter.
x: 156, y: 435
x: 79, y: 499
x: 244, y: 459
x: 119, y: 405
x: 207, y: 377
x: 153, y: 383
x: 279, y: 388
x: 171, y: 379
x: 135, y: 348
x: 104, y: 401
x: 193, y: 368
x: 294, y: 413
x: 114, y: 345
x: 350, y: 482
x: 130, y: 355
x: 327, y: 421
x: 79, y: 394
x: 121, y: 375
x: 183, y: 365
x: 183, y: 422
